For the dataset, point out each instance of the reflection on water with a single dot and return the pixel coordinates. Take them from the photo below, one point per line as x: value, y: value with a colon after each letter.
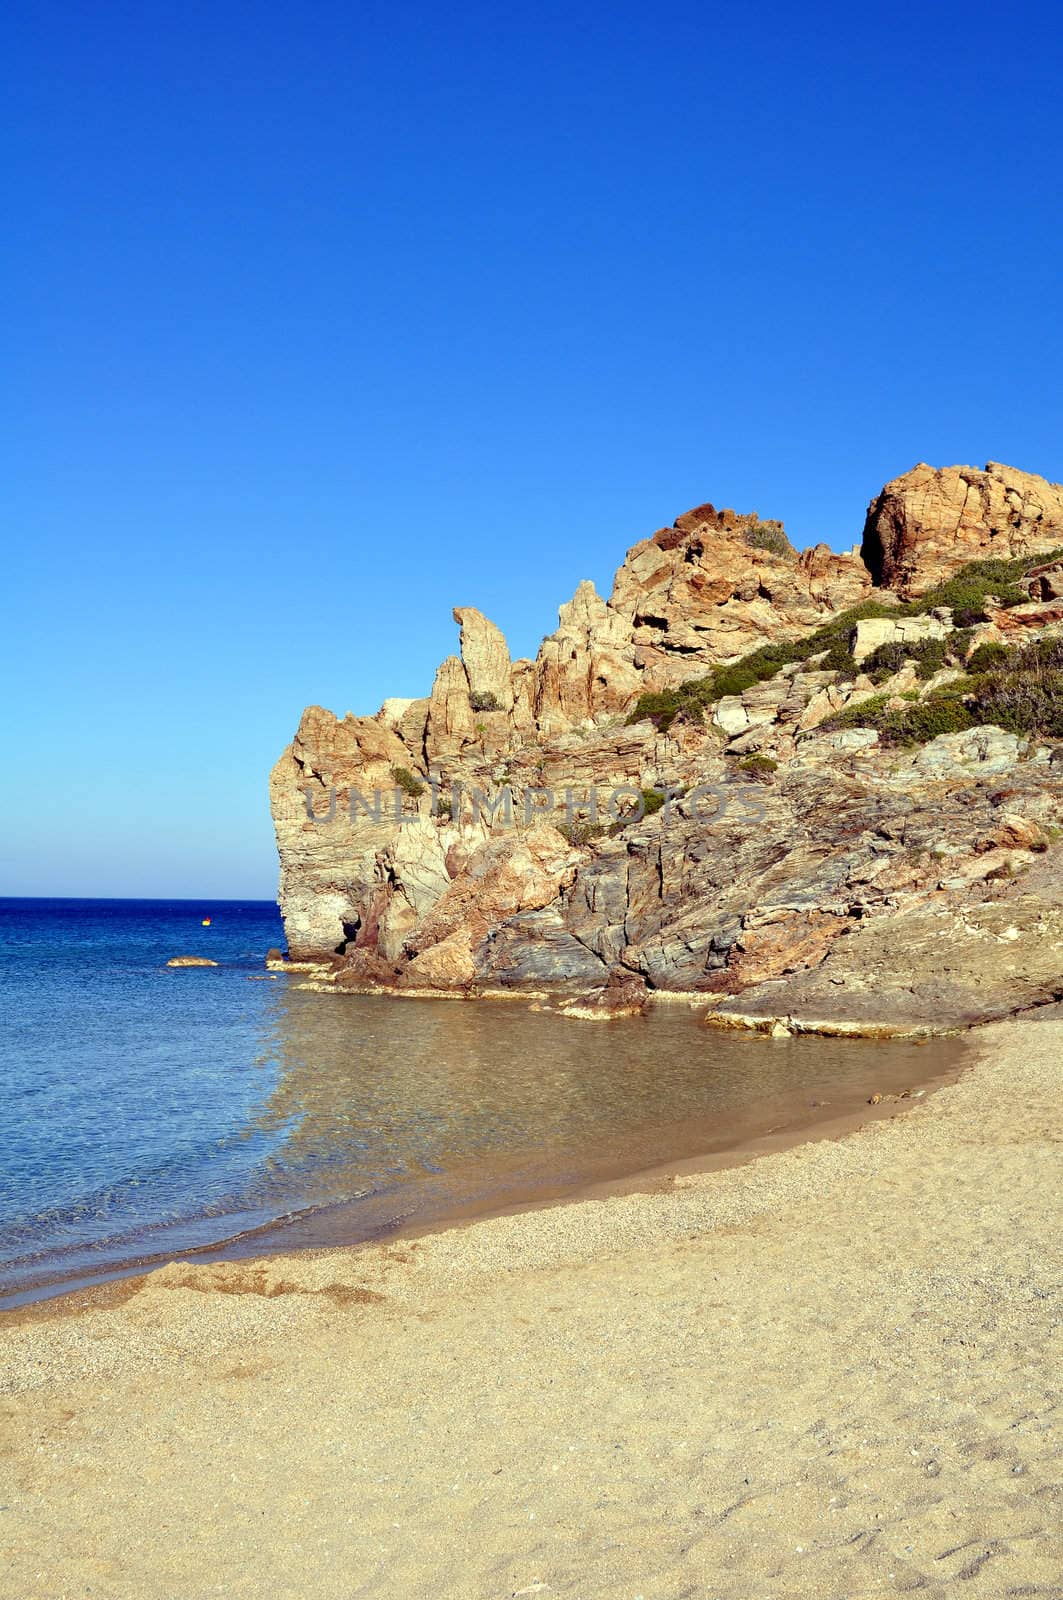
x: 411, y: 1108
x: 329, y: 1118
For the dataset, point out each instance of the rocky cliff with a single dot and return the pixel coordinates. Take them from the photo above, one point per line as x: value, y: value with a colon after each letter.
x: 812, y: 786
x: 927, y: 524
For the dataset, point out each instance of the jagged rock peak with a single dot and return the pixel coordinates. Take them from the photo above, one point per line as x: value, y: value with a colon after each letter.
x: 930, y: 521
x: 747, y: 526
x: 718, y: 584
x: 486, y: 658
x: 585, y: 669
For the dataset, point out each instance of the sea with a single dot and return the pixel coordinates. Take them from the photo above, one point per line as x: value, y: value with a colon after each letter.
x: 153, y: 1112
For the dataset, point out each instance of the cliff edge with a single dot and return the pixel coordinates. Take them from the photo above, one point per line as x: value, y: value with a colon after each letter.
x: 803, y: 786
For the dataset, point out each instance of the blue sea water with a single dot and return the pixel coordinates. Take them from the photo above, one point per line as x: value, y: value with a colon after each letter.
x: 132, y: 1092
x: 150, y: 1112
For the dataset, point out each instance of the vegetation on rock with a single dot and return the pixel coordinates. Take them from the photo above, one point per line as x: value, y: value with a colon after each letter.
x: 407, y: 781
x: 914, y: 722
x: 758, y: 766
x: 580, y: 833
x: 987, y: 656
x: 967, y: 594
x: 768, y: 535
x: 1024, y: 692
x: 928, y: 656
x: 1020, y: 690
x: 484, y: 700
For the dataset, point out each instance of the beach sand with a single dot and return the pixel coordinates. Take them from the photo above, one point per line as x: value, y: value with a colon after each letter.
x: 833, y: 1372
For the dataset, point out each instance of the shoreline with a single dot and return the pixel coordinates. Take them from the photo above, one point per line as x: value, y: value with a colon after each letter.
x: 320, y: 977
x: 815, y: 1121
x: 833, y: 1370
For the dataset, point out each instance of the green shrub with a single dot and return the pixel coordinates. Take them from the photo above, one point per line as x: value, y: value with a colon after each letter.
x: 1019, y: 689
x: 736, y: 679
x: 959, y: 642
x: 917, y: 722
x: 839, y: 659
x: 484, y: 700
x: 928, y: 656
x: 580, y: 833
x: 987, y: 656
x: 663, y: 706
x: 1024, y: 693
x: 966, y: 592
x: 885, y: 661
x: 864, y: 715
x: 928, y: 719
x: 407, y: 781
x: 758, y: 766
x: 768, y: 536
x: 1021, y: 703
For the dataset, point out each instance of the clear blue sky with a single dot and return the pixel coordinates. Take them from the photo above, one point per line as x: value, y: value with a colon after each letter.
x: 321, y: 319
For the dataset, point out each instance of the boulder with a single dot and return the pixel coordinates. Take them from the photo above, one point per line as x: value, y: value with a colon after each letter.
x: 875, y: 631
x: 510, y: 873
x: 624, y: 995
x: 983, y: 751
x: 929, y: 522
x: 730, y: 716
x: 1045, y: 583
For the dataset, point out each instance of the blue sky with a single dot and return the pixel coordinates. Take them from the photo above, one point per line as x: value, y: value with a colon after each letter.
x: 320, y: 320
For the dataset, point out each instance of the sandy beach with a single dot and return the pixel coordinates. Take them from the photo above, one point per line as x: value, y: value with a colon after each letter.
x: 831, y: 1373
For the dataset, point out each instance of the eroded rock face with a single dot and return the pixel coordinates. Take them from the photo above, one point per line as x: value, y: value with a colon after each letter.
x: 451, y: 724
x: 509, y: 874
x: 794, y: 848
x: 929, y: 522
x: 717, y: 585
x: 587, y: 668
x: 485, y: 657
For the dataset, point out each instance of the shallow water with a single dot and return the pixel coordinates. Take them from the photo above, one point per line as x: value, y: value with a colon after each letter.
x: 150, y: 1112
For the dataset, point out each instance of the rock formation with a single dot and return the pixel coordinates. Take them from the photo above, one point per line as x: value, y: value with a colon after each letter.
x: 716, y: 585
x: 928, y: 523
x: 495, y: 834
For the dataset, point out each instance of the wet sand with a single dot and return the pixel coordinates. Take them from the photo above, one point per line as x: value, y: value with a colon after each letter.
x: 831, y: 1372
